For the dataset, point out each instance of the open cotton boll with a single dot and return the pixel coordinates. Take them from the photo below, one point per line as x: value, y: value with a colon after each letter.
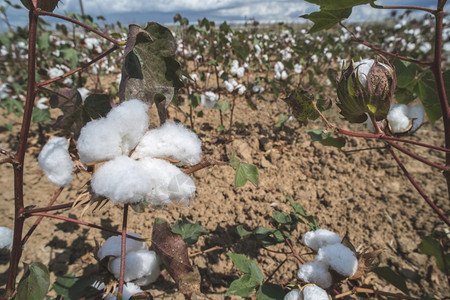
x: 293, y: 295
x: 55, y: 160
x: 138, y: 264
x: 98, y: 141
x: 6, y: 237
x: 315, y: 272
x: 129, y: 289
x: 130, y: 119
x: 312, y: 292
x: 209, y: 99
x: 170, y: 184
x: 416, y: 113
x: 363, y: 67
x: 340, y: 258
x: 319, y: 238
x: 171, y: 140
x: 113, y: 245
x: 122, y: 180
x: 398, y: 118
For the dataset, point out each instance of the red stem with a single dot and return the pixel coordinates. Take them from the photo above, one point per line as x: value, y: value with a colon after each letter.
x: 418, y: 188
x: 7, y: 153
x: 105, y: 36
x: 431, y: 11
x: 123, y: 250
x: 47, y: 208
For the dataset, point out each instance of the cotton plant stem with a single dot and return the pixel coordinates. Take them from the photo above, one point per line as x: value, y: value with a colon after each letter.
x: 84, y: 66
x: 419, y: 189
x: 431, y: 11
x: 205, y: 164
x: 19, y: 157
x: 39, y: 219
x: 7, y: 153
x: 123, y: 251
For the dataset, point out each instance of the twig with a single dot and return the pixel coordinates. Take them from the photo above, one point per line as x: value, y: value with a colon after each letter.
x: 123, y: 250
x: 47, y: 208
x: 6, y: 160
x: 216, y: 248
x: 277, y: 268
x: 7, y: 153
x: 205, y: 164
x: 431, y: 11
x: 418, y: 188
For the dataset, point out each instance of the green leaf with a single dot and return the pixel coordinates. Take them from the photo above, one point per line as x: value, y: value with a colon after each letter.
x: 243, y: 233
x: 43, y: 40
x: 392, y: 277
x: 96, y: 106
x: 426, y: 91
x: 338, y: 4
x: 190, y: 232
x: 133, y: 65
x: 223, y: 105
x: 220, y: 128
x: 326, y: 138
x: 430, y: 245
x: 406, y: 74
x: 285, y: 219
x: 243, y: 286
x: 252, y: 278
x: 325, y: 19
x: 282, y: 118
x: 270, y: 291
x: 268, y: 237
x: 40, y: 115
x: 34, y: 283
x: 244, y: 173
x: 195, y: 99
x: 71, y: 287
x: 302, y: 105
x: 72, y: 55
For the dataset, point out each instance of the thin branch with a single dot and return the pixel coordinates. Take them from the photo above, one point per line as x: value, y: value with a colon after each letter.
x: 216, y: 248
x: 428, y: 10
x: 84, y: 66
x: 387, y: 53
x: 36, y: 223
x: 7, y: 160
x: 205, y: 164
x: 90, y: 28
x: 418, y: 188
x: 123, y: 250
x: 276, y: 269
x: 294, y: 253
x: 47, y: 208
x: 7, y: 153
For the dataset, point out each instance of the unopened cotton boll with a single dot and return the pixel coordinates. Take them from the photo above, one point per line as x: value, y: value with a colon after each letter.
x: 312, y: 292
x: 122, y: 180
x: 171, y: 140
x: 138, y: 264
x: 319, y: 238
x: 113, y: 246
x: 340, y: 258
x: 315, y: 272
x: 55, y: 160
x: 293, y: 295
x: 6, y: 238
x: 170, y: 183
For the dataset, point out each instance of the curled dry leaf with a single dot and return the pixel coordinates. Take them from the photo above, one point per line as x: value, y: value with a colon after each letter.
x: 365, y: 260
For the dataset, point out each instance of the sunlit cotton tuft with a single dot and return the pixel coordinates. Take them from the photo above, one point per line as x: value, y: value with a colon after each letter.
x: 315, y: 272
x: 138, y: 264
x: 55, y: 160
x: 112, y: 246
x: 6, y: 238
x: 319, y: 238
x: 340, y: 258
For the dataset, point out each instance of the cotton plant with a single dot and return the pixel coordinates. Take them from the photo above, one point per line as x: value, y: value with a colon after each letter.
x: 401, y: 119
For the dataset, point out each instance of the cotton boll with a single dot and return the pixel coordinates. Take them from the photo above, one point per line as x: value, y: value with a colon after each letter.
x: 6, y: 238
x: 131, y: 120
x: 312, y: 292
x: 171, y: 140
x: 170, y: 184
x: 228, y: 86
x: 340, y: 258
x: 284, y: 75
x: 112, y: 246
x: 98, y: 141
x: 241, y: 90
x: 363, y: 67
x: 416, y: 113
x: 138, y: 264
x: 319, y: 238
x: 293, y: 295
x: 55, y: 160
x: 84, y: 92
x: 278, y: 67
x: 209, y: 99
x: 316, y: 272
x: 298, y: 68
x: 122, y: 180
x: 129, y: 289
x: 240, y: 72
x: 398, y: 119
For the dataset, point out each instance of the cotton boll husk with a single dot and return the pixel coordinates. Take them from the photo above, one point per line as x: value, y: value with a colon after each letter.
x: 417, y: 114
x: 171, y: 140
x: 312, y: 292
x: 6, y: 237
x: 130, y: 119
x: 397, y: 118
x: 293, y: 295
x: 340, y: 258
x: 55, y: 160
x: 138, y: 264
x: 122, y: 180
x: 319, y: 238
x: 113, y: 245
x: 170, y: 184
x: 315, y: 272
x: 98, y: 141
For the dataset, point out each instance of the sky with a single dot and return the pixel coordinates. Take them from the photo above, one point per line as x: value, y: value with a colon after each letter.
x: 163, y: 11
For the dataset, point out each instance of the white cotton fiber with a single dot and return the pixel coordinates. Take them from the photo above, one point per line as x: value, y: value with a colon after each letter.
x: 6, y: 238
x: 171, y: 140
x: 416, y: 113
x: 319, y: 238
x: 113, y: 245
x: 169, y: 183
x: 340, y: 258
x: 55, y: 160
x: 138, y: 264
x: 398, y: 118
x: 293, y: 295
x: 122, y: 180
x: 117, y: 134
x: 129, y: 289
x: 315, y: 272
x: 363, y: 67
x: 312, y: 292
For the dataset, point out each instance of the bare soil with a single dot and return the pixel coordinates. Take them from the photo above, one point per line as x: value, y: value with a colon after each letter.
x: 363, y: 194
